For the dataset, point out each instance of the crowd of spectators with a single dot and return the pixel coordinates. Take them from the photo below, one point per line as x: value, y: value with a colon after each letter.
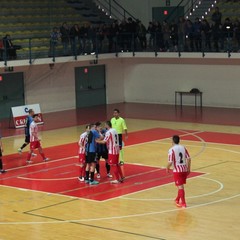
x: 130, y: 35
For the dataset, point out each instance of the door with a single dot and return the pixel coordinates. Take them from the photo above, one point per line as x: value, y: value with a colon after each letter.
x: 90, y: 85
x: 11, y: 92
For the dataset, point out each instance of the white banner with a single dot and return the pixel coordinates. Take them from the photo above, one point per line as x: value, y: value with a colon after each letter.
x: 20, y: 114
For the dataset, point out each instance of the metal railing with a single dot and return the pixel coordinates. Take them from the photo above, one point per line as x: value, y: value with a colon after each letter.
x: 156, y: 43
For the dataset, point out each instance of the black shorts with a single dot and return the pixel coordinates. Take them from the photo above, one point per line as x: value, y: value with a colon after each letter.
x: 120, y: 140
x: 103, y: 155
x: 0, y: 153
x: 27, y: 139
x: 91, y: 157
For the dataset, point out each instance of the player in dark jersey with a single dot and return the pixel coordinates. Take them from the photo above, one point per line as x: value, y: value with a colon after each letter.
x: 102, y: 153
x: 29, y: 120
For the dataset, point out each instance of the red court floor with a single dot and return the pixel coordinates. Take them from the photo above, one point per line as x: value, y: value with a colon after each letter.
x: 59, y: 175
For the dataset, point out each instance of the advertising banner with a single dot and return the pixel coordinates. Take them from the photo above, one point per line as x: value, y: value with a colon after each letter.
x: 21, y: 112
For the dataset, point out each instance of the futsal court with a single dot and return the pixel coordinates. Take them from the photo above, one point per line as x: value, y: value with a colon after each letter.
x: 45, y: 200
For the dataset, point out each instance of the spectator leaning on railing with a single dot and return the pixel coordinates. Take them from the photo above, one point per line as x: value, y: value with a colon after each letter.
x: 55, y: 37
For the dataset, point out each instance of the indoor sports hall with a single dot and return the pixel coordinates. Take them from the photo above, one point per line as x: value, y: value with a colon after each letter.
x: 160, y: 88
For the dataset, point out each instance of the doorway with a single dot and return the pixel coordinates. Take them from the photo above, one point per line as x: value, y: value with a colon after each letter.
x: 11, y: 92
x: 90, y: 85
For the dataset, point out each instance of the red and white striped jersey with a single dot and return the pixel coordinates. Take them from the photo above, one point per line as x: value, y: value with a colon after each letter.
x: 82, y: 143
x: 112, y: 141
x: 177, y: 155
x: 33, y: 129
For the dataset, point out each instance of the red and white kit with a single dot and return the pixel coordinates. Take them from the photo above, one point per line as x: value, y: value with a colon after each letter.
x: 82, y: 147
x: 112, y: 141
x: 178, y: 155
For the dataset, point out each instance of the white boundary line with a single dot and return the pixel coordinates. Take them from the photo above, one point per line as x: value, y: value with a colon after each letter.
x: 123, y: 216
x: 221, y: 186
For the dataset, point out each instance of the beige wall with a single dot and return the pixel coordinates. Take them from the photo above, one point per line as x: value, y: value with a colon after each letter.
x: 138, y: 79
x: 157, y: 82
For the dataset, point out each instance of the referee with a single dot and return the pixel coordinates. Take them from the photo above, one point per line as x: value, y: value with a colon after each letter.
x: 119, y: 124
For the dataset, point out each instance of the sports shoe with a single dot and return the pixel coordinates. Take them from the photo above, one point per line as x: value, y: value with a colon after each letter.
x: 20, y: 151
x: 45, y: 159
x: 176, y: 201
x: 98, y: 176
x: 28, y: 161
x: 34, y: 154
x: 93, y: 182
x: 122, y: 179
x: 109, y: 175
x: 81, y: 179
x: 2, y: 171
x: 184, y: 205
x: 115, y: 182
x: 86, y: 181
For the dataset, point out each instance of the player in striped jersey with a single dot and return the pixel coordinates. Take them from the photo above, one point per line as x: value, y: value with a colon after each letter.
x: 34, y: 140
x: 112, y: 141
x: 179, y: 158
x: 82, y: 153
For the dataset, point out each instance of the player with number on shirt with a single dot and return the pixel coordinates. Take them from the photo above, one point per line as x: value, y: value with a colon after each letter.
x: 179, y: 158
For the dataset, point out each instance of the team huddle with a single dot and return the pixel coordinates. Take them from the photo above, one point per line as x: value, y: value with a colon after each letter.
x: 102, y: 142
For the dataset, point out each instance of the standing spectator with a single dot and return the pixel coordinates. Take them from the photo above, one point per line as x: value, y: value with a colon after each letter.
x: 166, y: 35
x: 112, y: 141
x: 197, y: 34
x: 91, y: 150
x: 179, y: 158
x: 1, y: 151
x: 92, y: 37
x: 228, y: 33
x: 55, y: 37
x: 151, y: 32
x: 158, y: 46
x: 141, y: 33
x: 75, y: 38
x: 34, y: 140
x: 181, y: 33
x: 131, y: 34
x: 123, y: 35
x: 82, y: 153
x: 28, y: 121
x: 189, y: 36
x: 113, y: 37
x: 119, y: 124
x: 206, y: 34
x: 174, y: 36
x: 217, y: 16
x: 101, y: 34
x: 65, y: 36
x: 83, y: 38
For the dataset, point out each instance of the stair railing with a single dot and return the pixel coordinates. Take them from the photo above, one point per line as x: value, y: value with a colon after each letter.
x: 114, y: 9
